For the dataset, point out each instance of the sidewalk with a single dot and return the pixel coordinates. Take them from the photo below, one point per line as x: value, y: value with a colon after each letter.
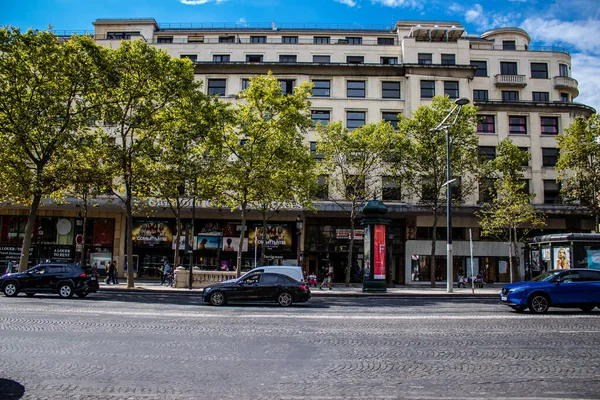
x: 339, y: 290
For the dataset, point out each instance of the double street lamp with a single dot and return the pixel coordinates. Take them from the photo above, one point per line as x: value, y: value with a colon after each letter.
x: 458, y: 103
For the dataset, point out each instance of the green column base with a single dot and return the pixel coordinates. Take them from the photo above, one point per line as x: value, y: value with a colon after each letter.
x: 372, y: 285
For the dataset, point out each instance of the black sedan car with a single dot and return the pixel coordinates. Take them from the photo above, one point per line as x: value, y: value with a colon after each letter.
x: 64, y: 279
x: 259, y: 287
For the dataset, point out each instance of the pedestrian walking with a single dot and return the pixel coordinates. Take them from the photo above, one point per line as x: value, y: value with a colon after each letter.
x: 95, y: 269
x: 109, y: 273
x: 115, y: 274
x: 9, y: 267
x: 166, y: 269
x: 328, y: 278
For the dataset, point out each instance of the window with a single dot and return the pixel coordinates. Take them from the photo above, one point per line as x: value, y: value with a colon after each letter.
x: 451, y: 89
x: 322, y: 187
x: 254, y: 58
x: 355, y: 187
x: 517, y: 125
x: 355, y: 119
x: 539, y: 70
x: 355, y: 59
x: 481, y: 67
x: 191, y: 57
x: 216, y: 86
x: 356, y: 88
x: 289, y: 39
x: 563, y: 70
x: 320, y: 116
x: 321, y: 88
x: 549, y: 157
x: 195, y: 39
x: 245, y: 83
x: 321, y: 40
x: 287, y: 85
x: 354, y: 40
x: 551, y: 192
x: 549, y: 125
x: 487, y: 153
x: 121, y: 35
x: 389, y: 60
x: 226, y: 39
x: 525, y: 186
x: 313, y: 151
x: 540, y: 96
x: 564, y: 97
x: 258, y: 39
x: 508, y: 68
x: 287, y: 58
x: 164, y: 39
x: 385, y: 41
x: 321, y: 59
x: 525, y: 150
x: 390, y: 90
x: 391, y: 117
x: 424, y: 58
x: 427, y: 89
x: 221, y: 58
x: 428, y: 192
x: 510, y: 95
x: 448, y: 59
x: 390, y: 188
x: 509, y: 45
x: 480, y: 95
x: 486, y: 124
x: 487, y: 191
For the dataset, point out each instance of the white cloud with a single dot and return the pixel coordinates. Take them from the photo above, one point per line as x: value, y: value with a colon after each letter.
x: 242, y: 21
x: 349, y: 3
x: 582, y: 35
x: 399, y: 3
x: 489, y: 19
x: 585, y: 70
x: 199, y: 2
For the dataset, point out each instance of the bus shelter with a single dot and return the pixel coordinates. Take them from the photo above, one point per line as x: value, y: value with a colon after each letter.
x: 563, y: 251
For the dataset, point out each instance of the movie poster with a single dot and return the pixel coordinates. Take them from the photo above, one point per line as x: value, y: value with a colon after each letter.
x: 182, y: 239
x: 277, y: 237
x: 210, y: 228
x: 562, y: 257
x: 207, y: 242
x: 147, y: 233
x: 593, y: 259
x: 231, y: 244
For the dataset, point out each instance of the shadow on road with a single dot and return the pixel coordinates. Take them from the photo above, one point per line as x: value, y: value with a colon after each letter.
x: 11, y: 390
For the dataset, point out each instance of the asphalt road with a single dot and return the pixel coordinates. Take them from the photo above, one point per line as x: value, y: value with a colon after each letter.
x: 158, y: 346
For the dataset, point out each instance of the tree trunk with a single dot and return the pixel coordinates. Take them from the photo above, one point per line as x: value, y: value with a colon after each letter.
x: 264, y: 239
x: 24, y: 259
x: 433, y: 242
x: 85, y: 213
x: 129, y: 211
x: 510, y: 264
x: 238, y: 268
x: 177, y: 236
x: 350, y: 251
x: 517, y: 275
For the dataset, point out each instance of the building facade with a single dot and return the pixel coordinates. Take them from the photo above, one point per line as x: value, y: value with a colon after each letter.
x: 362, y: 76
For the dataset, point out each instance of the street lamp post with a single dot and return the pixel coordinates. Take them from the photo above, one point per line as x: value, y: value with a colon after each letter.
x: 446, y: 126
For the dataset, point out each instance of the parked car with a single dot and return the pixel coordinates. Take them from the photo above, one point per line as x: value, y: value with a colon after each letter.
x: 571, y: 288
x: 258, y: 287
x: 293, y: 271
x: 64, y: 279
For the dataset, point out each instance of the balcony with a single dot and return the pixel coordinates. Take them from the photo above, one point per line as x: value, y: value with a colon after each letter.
x: 570, y: 84
x: 511, y: 80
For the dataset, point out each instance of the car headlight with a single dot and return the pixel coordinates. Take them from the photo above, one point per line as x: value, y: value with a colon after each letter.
x: 207, y: 289
x: 515, y: 290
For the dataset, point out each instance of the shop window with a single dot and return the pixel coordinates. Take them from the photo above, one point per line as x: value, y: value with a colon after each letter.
x: 539, y: 70
x: 549, y: 157
x: 517, y: 125
x: 427, y: 89
x: 425, y: 58
x: 480, y: 95
x: 549, y: 125
x: 391, y: 117
x: 448, y: 59
x: 390, y: 90
x: 321, y: 88
x: 355, y: 88
x: 481, y: 68
x: 486, y: 124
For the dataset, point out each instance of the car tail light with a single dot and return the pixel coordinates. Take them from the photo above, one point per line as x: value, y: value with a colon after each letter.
x: 303, y: 287
x: 83, y: 275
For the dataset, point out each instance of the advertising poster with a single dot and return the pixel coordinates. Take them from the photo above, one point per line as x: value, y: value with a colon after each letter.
x: 210, y: 228
x: 546, y: 254
x: 204, y: 242
x: 277, y: 237
x: 502, y: 267
x: 345, y: 234
x: 562, y: 257
x: 379, y: 252
x: 535, y: 260
x: 593, y: 259
x: 367, y: 265
x: 233, y: 243
x: 103, y: 232
x: 182, y: 239
x: 152, y: 234
x: 475, y: 270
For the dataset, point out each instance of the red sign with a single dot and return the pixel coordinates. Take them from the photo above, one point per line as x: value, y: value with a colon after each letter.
x: 379, y: 252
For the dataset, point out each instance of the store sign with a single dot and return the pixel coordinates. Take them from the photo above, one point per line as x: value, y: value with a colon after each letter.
x: 62, y: 253
x: 345, y: 234
x: 379, y: 252
x: 149, y: 233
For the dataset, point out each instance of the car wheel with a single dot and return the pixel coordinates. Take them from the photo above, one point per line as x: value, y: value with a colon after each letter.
x: 82, y: 294
x: 10, y: 289
x: 285, y: 299
x: 30, y: 294
x: 65, y: 290
x: 217, y: 299
x: 587, y: 308
x: 539, y: 303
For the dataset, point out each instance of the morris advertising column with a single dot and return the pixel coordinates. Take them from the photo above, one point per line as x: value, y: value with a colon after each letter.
x: 375, y: 240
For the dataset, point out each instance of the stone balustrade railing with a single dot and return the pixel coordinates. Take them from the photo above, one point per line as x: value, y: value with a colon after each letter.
x: 200, y: 278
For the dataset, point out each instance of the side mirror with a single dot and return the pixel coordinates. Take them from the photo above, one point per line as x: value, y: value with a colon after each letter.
x: 558, y: 281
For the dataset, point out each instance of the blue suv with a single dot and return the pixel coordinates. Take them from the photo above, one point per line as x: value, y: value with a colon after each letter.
x: 566, y: 288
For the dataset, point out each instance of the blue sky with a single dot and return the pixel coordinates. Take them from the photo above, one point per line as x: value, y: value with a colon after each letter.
x: 574, y: 24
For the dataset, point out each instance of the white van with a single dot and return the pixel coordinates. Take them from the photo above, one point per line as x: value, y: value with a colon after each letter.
x: 293, y: 271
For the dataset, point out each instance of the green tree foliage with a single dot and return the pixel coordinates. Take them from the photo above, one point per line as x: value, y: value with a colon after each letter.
x: 140, y: 85
x: 578, y: 165
x: 352, y: 162
x: 510, y: 216
x: 422, y: 172
x: 48, y: 95
x: 260, y: 145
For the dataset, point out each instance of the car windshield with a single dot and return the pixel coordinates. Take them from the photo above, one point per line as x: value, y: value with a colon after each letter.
x: 546, y: 276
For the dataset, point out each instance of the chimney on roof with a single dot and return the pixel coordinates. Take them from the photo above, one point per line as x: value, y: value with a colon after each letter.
x: 273, y: 26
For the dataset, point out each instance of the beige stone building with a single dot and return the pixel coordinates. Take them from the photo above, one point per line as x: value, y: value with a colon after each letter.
x: 366, y: 75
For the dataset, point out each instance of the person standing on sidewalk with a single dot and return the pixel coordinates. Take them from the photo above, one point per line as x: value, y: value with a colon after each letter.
x: 166, y: 271
x: 115, y: 275
x: 109, y: 272
x: 328, y: 278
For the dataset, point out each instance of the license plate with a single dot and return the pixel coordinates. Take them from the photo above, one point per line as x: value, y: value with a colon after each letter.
x: 92, y: 278
x: 503, y: 298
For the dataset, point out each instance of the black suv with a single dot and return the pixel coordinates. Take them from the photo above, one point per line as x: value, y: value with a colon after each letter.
x: 64, y: 279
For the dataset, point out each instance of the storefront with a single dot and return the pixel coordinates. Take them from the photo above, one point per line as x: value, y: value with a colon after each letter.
x: 563, y: 251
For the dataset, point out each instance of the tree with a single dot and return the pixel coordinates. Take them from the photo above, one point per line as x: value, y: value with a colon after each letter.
x: 48, y: 95
x: 422, y: 173
x: 578, y: 165
x: 351, y: 161
x: 140, y: 85
x: 259, y: 144
x: 510, y: 216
